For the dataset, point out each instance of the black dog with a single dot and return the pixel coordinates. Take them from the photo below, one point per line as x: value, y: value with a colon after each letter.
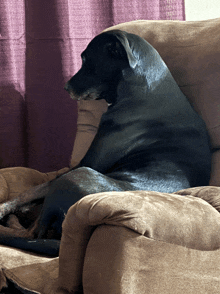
x: 149, y: 139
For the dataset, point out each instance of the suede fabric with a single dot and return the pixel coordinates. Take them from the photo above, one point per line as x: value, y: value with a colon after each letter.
x: 151, y: 221
x: 124, y: 262
x: 89, y: 116
x: 185, y: 221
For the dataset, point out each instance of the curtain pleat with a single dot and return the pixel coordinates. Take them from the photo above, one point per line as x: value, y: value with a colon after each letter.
x: 51, y: 114
x: 40, y: 46
x: 12, y: 84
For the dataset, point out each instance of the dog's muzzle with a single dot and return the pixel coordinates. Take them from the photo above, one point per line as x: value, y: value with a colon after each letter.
x: 73, y: 95
x: 90, y: 94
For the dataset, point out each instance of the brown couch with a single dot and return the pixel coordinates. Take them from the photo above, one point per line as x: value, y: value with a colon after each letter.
x: 136, y: 242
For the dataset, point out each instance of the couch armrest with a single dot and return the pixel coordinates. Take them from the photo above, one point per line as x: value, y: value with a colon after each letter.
x: 119, y: 260
x: 186, y: 222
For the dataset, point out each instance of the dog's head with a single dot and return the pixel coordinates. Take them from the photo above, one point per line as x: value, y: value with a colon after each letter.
x: 102, y: 64
x: 110, y: 58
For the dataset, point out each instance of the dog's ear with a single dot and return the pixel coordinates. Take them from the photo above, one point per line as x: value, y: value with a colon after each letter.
x: 126, y: 46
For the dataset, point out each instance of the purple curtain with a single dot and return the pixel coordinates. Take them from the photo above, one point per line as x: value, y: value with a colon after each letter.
x: 40, y: 46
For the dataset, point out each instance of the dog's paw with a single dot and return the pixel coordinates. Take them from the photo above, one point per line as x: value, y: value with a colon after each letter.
x: 4, y: 210
x: 7, y: 208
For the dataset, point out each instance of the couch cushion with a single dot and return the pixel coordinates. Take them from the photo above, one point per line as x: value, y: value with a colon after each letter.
x: 89, y: 116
